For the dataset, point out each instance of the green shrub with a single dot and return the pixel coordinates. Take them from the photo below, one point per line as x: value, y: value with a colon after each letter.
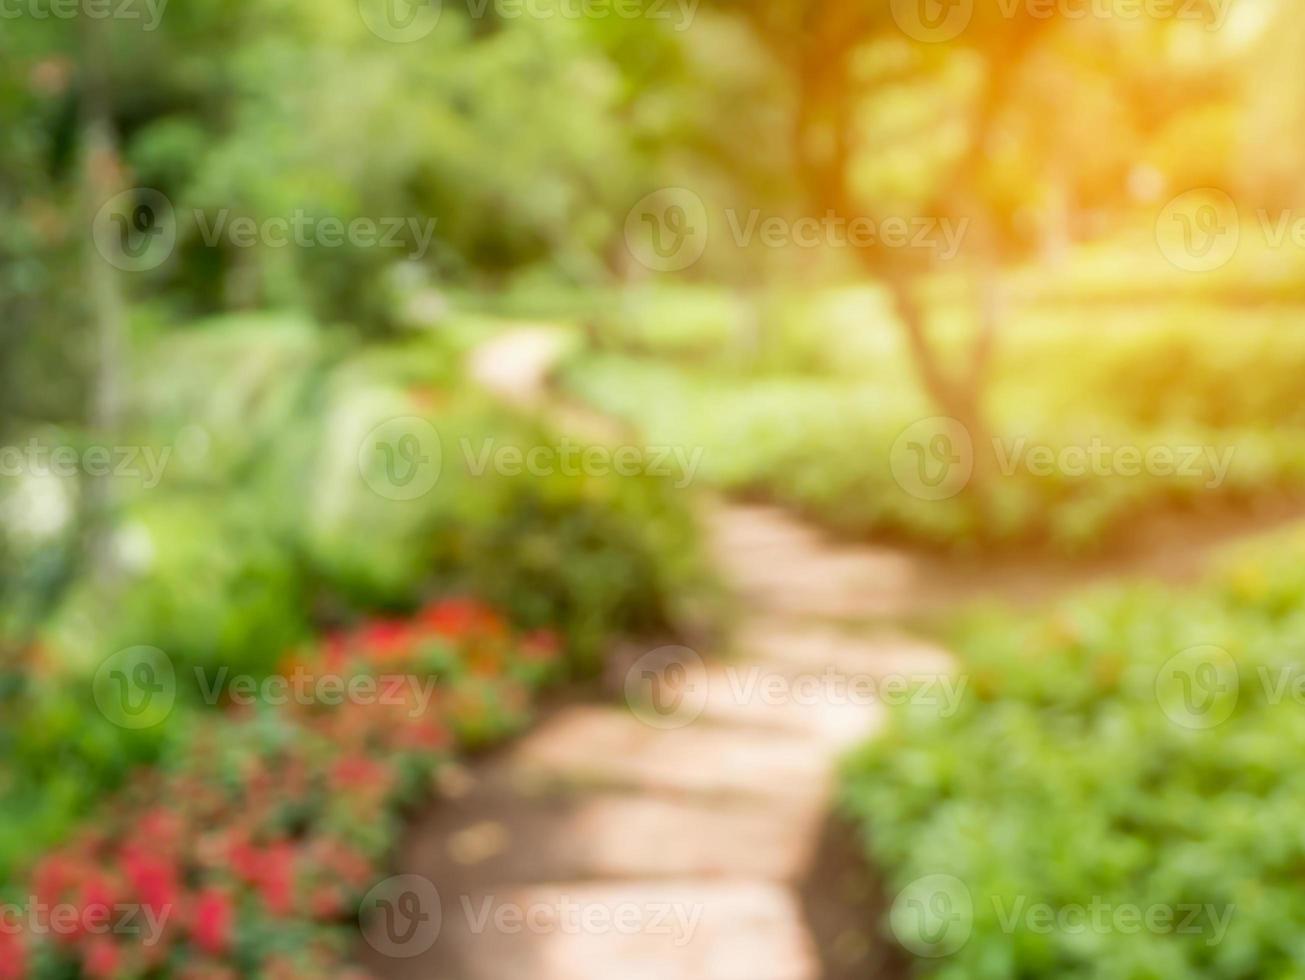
x: 815, y: 428
x: 200, y: 576
x: 1075, y: 772
x: 593, y: 555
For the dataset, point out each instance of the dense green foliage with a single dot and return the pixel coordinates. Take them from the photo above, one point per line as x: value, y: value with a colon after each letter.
x: 1092, y: 758
x: 801, y: 399
x: 262, y: 526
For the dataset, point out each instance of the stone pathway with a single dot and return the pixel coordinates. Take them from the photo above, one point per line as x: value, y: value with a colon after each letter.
x: 680, y: 835
x: 673, y: 836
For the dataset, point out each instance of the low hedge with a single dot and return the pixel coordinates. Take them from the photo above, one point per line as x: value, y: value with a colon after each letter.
x: 1133, y: 750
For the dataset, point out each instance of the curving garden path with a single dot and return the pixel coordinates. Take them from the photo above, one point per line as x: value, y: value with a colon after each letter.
x: 701, y: 833
x: 613, y: 842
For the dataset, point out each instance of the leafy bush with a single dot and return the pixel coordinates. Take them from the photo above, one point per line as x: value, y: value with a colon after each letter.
x: 250, y: 847
x: 266, y: 526
x: 201, y: 577
x: 592, y: 554
x: 1147, y: 728
x: 812, y: 418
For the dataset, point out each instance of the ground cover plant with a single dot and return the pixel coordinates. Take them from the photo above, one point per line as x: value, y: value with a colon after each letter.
x: 247, y: 849
x: 1131, y: 749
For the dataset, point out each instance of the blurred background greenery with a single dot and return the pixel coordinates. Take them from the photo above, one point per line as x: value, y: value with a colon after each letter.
x: 1100, y: 199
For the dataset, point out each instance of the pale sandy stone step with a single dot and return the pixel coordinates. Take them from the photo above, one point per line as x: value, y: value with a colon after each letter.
x: 836, y: 584
x: 491, y: 837
x: 649, y: 837
x: 612, y: 746
x: 814, y: 704
x: 740, y: 529
x: 687, y: 930
x: 813, y: 646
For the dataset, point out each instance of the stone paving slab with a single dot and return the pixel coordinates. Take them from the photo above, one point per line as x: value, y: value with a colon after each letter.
x: 812, y: 647
x: 647, y: 836
x: 767, y: 695
x: 634, y: 930
x: 611, y: 746
x: 497, y: 836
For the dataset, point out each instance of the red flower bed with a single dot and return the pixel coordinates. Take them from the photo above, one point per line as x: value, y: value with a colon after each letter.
x: 246, y: 853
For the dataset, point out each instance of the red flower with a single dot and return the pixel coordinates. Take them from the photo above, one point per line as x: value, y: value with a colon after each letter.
x: 276, y: 881
x: 425, y: 734
x: 161, y: 827
x: 326, y: 902
x: 154, y: 879
x: 13, y: 955
x: 452, y: 618
x: 335, y: 649
x: 355, y: 772
x: 213, y: 914
x: 244, y: 858
x: 337, y: 859
x: 103, y: 958
x: 387, y: 639
x: 97, y: 901
x: 51, y: 878
x: 540, y: 646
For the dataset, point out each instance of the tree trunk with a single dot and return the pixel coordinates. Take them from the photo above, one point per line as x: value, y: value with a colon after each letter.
x: 956, y: 394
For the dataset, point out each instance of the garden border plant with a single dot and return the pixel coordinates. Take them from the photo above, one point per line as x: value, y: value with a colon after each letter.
x: 250, y: 845
x: 1129, y: 750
